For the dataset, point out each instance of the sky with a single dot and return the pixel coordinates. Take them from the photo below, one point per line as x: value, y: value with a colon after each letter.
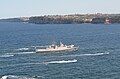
x: 21, y: 8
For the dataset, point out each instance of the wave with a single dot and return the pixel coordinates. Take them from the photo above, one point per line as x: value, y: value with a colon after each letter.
x: 60, y: 62
x: 15, y: 77
x: 22, y: 64
x: 96, y: 54
x: 4, y: 56
x: 21, y: 53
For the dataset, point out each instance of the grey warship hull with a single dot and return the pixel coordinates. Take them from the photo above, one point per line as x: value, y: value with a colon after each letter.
x: 56, y: 48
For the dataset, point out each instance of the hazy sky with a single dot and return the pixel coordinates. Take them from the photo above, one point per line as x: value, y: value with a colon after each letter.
x: 15, y: 8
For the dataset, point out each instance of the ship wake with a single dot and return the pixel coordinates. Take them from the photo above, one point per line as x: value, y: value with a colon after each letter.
x: 96, y: 54
x: 44, y: 63
x: 5, y: 56
x: 60, y: 62
x: 21, y: 53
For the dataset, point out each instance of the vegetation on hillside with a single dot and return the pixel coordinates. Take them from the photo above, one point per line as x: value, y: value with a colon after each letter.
x: 68, y: 19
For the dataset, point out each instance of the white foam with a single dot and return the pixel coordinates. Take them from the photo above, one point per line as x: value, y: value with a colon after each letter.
x: 60, y: 62
x: 15, y: 77
x: 3, y: 56
x: 4, y: 77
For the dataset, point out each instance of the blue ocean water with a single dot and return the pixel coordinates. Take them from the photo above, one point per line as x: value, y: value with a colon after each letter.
x: 98, y: 56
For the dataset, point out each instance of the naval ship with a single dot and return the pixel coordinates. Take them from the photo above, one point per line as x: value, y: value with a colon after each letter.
x: 56, y: 48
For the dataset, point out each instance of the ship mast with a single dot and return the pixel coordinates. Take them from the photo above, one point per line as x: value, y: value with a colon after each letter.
x: 61, y: 44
